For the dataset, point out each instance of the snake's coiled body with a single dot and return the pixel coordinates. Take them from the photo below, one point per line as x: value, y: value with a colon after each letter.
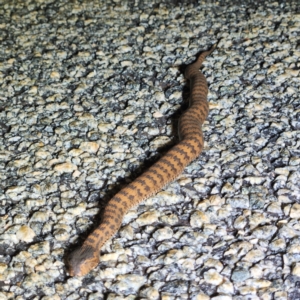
x: 84, y: 259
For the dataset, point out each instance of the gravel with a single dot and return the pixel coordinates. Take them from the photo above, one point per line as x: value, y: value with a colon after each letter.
x: 90, y: 97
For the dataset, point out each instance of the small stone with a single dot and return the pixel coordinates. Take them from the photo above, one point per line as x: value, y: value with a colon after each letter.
x: 213, y: 277
x: 61, y: 235
x: 15, y: 189
x: 126, y: 63
x: 80, y: 88
x: 129, y: 118
x: 49, y: 188
x: 78, y: 210
x: 275, y: 208
x: 201, y: 297
x: 40, y: 248
x: 254, y: 256
x: 147, y: 218
x: 294, y: 249
x: 287, y: 232
x: 26, y: 234
x: 124, y: 49
x: 110, y: 257
x: 281, y: 295
x: 40, y: 216
x: 186, y: 263
x: 127, y: 284
x: 265, y: 232
x: 171, y: 219
x: 240, y: 222
x: 245, y: 290
x: 199, y: 218
x: 160, y: 141
x: 65, y: 168
x: 173, y: 256
x: 75, y: 152
x: 241, y: 201
x: 150, y: 293
x: 143, y: 261
x: 282, y: 171
x: 3, y: 267
x: 256, y: 219
x: 91, y: 147
x: 127, y: 232
x: 93, y: 296
x: 106, y: 127
x: 258, y: 283
x: 157, y: 115
x: 200, y: 187
x: 296, y: 269
x: 214, y: 263
x: 216, y: 200
x: 227, y: 188
x: 33, y: 90
x: 159, y: 96
x: 54, y: 75
x: 163, y: 234
x: 254, y: 179
x: 178, y: 287
x: 295, y: 211
x: 226, y: 288
x: 167, y: 198
x: 176, y: 95
x: 240, y: 274
x: 278, y: 245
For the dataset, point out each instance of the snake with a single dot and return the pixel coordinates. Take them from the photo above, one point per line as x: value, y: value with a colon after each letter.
x: 85, y: 258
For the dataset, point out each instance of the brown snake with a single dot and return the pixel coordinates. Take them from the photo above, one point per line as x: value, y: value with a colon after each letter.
x: 85, y: 258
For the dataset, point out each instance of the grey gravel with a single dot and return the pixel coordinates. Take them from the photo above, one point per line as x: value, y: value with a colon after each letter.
x: 90, y: 95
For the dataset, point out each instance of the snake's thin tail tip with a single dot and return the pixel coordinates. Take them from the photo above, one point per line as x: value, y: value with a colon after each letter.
x: 214, y: 46
x: 203, y: 55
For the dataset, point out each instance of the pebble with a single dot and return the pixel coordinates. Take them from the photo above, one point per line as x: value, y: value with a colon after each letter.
x: 281, y: 295
x: 275, y: 208
x: 40, y: 248
x: 198, y: 218
x: 163, y: 234
x: 150, y: 293
x: 296, y: 269
x: 278, y: 245
x: 240, y: 274
x: 40, y: 216
x: 213, y: 277
x: 264, y: 232
x: 65, y: 168
x: 91, y: 147
x: 226, y: 288
x: 201, y: 297
x: 258, y: 283
x: 147, y: 218
x: 295, y: 211
x: 254, y: 255
x: 128, y: 284
x: 26, y: 234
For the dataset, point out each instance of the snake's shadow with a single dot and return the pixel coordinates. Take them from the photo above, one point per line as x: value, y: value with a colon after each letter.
x: 103, y: 198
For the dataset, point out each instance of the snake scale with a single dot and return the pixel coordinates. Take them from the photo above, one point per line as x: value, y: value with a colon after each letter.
x: 84, y: 259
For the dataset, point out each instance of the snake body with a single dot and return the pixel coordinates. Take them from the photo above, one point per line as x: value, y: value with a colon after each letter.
x: 85, y: 258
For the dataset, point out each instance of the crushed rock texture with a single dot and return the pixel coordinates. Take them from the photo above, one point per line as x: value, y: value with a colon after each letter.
x: 90, y: 95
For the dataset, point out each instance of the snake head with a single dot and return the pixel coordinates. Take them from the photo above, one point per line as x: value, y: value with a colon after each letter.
x: 82, y: 261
